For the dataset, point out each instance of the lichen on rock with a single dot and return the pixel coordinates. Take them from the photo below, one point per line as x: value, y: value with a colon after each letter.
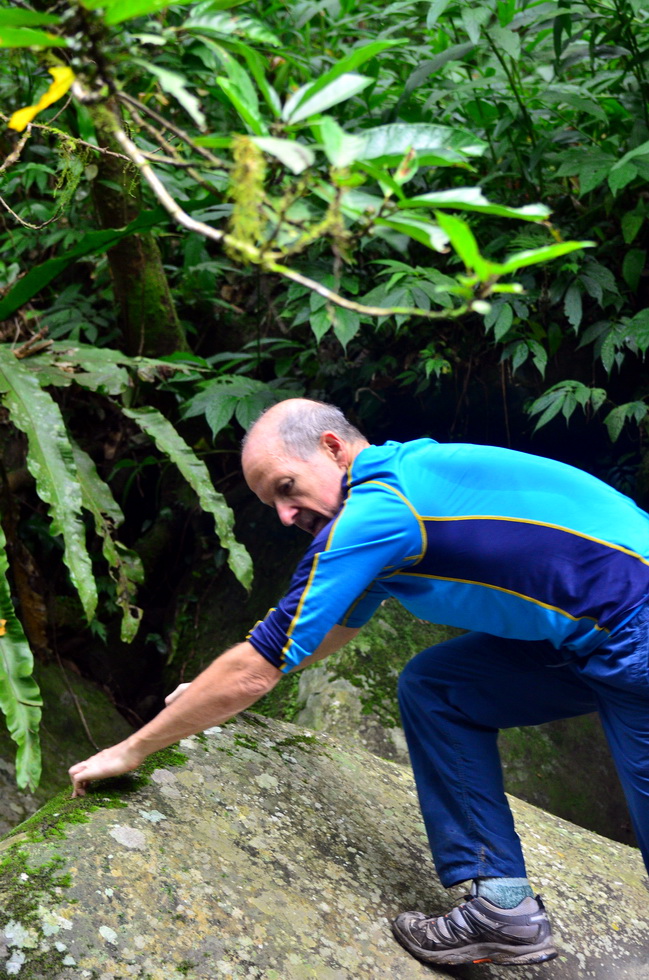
x: 282, y: 856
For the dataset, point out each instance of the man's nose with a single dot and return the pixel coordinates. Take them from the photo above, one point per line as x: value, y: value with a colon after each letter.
x: 287, y: 512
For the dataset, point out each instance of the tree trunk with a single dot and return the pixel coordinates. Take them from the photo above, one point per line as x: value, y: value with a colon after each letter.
x: 148, y: 318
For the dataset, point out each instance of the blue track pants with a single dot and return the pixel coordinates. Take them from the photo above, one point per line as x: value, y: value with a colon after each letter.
x: 455, y: 696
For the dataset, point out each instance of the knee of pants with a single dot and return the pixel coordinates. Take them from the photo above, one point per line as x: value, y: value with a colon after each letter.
x: 414, y: 686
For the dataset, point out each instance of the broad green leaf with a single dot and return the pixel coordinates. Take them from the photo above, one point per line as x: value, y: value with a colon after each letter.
x: 320, y: 323
x: 638, y: 151
x: 385, y: 180
x: 220, y: 412
x: 120, y: 10
x: 473, y: 20
x: 573, y: 306
x: 553, y: 408
x: 472, y: 199
x: 250, y: 408
x: 345, y: 66
x: 346, y: 325
x: 242, y: 81
x: 435, y: 11
x: 620, y: 176
x: 20, y: 699
x: 539, y: 356
x: 296, y: 156
x: 176, y: 84
x: 433, y: 144
x: 195, y: 472
x: 631, y: 223
x: 573, y: 97
x: 533, y: 256
x: 25, y: 37
x: 248, y: 110
x: 590, y: 166
x: 125, y: 565
x: 426, y: 232
x: 257, y: 69
x: 208, y: 21
x: 342, y: 88
x: 503, y: 321
x: 591, y: 176
x: 354, y: 202
x: 214, y: 5
x: 506, y: 41
x: 51, y: 462
x: 456, y: 52
x: 632, y: 411
x: 463, y: 241
x: 610, y: 345
x: 638, y: 327
x: 634, y: 263
x: 519, y: 354
x: 26, y: 18
x: 223, y: 397
x: 341, y: 148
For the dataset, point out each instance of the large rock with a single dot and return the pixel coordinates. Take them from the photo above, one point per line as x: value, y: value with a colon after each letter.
x: 270, y: 854
x: 78, y: 718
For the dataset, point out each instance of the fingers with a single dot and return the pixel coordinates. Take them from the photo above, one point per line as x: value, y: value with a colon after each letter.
x: 176, y: 694
x: 77, y: 774
x: 114, y: 761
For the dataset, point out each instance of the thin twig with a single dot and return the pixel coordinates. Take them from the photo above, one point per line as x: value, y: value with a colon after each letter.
x: 202, y: 150
x: 174, y: 157
x: 31, y: 346
x: 27, y: 224
x: 14, y: 156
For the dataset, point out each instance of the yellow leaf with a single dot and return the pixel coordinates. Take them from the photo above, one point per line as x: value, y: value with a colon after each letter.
x: 3, y: 623
x: 63, y: 78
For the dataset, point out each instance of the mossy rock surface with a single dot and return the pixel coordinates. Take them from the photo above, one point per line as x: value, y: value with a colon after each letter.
x: 270, y: 854
x: 73, y: 710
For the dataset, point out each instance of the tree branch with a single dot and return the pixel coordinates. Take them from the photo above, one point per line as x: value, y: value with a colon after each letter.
x: 255, y: 255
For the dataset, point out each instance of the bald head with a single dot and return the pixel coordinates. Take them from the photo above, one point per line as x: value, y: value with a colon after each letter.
x: 296, y: 426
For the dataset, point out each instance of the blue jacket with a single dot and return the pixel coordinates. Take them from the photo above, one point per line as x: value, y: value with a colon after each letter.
x: 472, y: 536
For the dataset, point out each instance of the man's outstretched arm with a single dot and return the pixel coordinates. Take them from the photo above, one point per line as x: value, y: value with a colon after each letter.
x: 232, y: 682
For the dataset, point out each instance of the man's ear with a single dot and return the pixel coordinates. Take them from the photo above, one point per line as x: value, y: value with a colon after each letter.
x: 335, y: 448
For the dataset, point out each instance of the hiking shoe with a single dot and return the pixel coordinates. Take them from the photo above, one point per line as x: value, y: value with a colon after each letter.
x: 478, y: 932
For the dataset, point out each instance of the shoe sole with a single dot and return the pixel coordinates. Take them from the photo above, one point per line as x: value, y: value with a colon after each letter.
x: 501, y: 954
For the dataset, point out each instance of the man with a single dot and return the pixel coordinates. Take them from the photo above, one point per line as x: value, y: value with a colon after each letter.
x: 547, y: 567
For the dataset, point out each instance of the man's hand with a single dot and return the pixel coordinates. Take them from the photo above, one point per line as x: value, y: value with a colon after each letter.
x: 114, y: 761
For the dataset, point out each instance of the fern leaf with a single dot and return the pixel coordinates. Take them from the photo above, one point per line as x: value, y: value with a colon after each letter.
x: 125, y: 565
x: 20, y: 698
x: 51, y: 463
x: 195, y: 472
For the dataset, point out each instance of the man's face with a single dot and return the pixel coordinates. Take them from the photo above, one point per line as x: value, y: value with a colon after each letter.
x: 307, y: 493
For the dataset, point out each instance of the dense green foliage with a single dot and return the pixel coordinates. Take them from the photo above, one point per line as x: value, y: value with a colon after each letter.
x: 340, y: 199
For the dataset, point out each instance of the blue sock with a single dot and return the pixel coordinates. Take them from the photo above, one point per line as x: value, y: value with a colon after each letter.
x: 506, y: 893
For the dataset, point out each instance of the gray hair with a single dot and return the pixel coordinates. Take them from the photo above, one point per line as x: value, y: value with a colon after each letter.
x: 302, y: 424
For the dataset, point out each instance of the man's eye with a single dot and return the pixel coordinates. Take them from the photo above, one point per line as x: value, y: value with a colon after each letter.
x: 285, y: 488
